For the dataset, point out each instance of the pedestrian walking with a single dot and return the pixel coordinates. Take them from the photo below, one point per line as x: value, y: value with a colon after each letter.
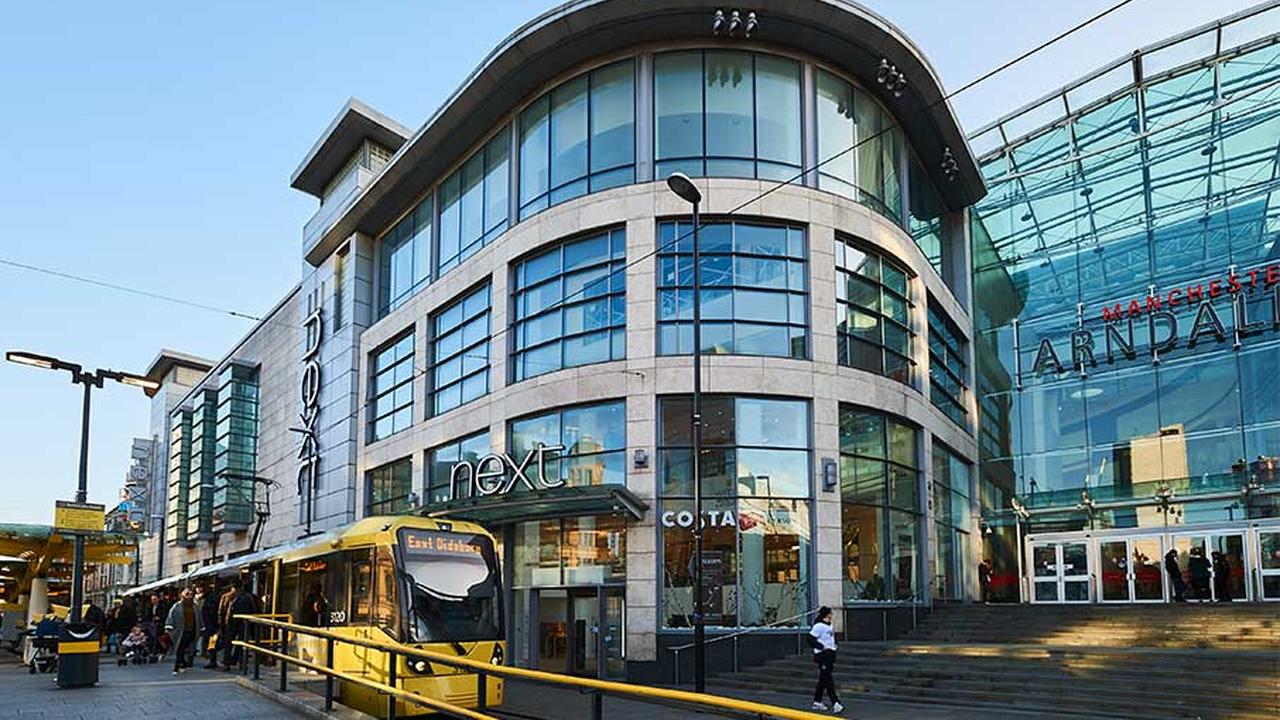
x: 984, y: 580
x: 223, y: 648
x: 822, y: 638
x: 242, y: 603
x: 1221, y: 576
x: 1174, y: 572
x: 1201, y: 571
x: 183, y: 626
x: 209, y: 627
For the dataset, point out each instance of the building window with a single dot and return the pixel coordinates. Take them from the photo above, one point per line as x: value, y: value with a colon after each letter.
x: 179, y: 474
x: 460, y: 351
x: 948, y: 367
x: 952, y: 518
x: 586, y: 550
x: 870, y: 173
x: 405, y: 253
x: 754, y: 289
x: 237, y: 447
x: 473, y: 202
x: 392, y: 387
x: 391, y: 488
x: 727, y: 114
x: 441, y: 460
x: 570, y: 305
x: 880, y: 506
x: 578, y: 138
x: 204, y: 419
x: 594, y: 438
x: 756, y: 481
x: 873, y: 312
x: 925, y: 219
x: 339, y: 286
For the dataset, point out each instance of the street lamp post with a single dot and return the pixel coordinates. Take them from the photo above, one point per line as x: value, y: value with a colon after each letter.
x: 682, y: 186
x: 89, y: 380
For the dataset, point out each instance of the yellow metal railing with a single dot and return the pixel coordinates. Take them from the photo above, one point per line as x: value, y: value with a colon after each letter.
x: 643, y: 693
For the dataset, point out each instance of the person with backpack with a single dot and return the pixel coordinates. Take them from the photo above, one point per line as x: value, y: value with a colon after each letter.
x: 822, y: 638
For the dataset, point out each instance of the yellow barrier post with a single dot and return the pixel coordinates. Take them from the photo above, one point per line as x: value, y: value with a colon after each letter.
x: 328, y: 677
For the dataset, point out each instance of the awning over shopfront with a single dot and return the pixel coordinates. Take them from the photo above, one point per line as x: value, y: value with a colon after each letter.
x: 544, y: 504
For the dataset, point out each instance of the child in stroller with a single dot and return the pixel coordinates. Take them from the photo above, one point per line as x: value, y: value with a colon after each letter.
x: 135, y: 648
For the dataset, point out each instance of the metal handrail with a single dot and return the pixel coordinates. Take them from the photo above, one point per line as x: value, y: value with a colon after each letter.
x: 748, y: 631
x: 483, y: 669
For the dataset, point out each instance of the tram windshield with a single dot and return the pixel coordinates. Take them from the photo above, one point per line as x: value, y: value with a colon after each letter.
x: 454, y: 593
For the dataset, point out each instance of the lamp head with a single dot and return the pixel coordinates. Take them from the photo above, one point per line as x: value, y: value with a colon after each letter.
x: 681, y: 185
x: 40, y: 361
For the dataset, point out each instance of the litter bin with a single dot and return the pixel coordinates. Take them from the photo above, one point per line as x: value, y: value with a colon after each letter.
x: 78, y: 646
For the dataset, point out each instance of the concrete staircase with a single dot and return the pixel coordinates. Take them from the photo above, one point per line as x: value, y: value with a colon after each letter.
x: 1131, y: 661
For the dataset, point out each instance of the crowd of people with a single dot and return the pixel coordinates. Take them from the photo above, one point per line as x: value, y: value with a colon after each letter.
x: 184, y: 624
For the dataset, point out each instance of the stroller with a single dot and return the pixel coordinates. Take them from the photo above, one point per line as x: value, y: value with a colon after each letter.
x: 137, y: 650
x: 44, y: 643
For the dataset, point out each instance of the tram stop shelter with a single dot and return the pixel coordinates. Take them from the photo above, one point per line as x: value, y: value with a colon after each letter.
x: 38, y: 554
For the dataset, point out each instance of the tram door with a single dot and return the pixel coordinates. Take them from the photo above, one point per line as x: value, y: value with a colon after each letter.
x: 1060, y: 573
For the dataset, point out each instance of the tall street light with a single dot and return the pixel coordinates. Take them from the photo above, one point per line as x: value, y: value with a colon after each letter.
x: 89, y: 380
x: 682, y: 186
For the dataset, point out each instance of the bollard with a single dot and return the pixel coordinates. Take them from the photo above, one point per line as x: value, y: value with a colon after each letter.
x: 284, y: 665
x: 597, y: 705
x: 482, y: 691
x: 391, y: 680
x: 328, y: 678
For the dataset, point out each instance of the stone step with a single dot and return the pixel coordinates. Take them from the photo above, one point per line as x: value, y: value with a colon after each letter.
x: 1109, y: 682
x: 1131, y: 706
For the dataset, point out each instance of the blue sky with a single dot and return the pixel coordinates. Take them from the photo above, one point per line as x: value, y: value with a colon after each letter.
x: 150, y: 144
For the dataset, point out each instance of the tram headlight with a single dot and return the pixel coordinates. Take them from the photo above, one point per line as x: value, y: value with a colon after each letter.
x: 420, y: 666
x: 497, y: 655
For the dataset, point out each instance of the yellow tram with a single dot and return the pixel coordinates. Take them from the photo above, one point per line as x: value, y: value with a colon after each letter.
x: 430, y: 584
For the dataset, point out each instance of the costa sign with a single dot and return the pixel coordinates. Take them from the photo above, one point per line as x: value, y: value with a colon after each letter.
x: 489, y: 475
x: 1233, y: 307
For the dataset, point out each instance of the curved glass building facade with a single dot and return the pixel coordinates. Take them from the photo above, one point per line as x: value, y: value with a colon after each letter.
x: 1127, y: 326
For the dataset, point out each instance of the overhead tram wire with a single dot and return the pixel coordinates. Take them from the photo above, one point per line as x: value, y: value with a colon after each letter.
x: 126, y: 289
x: 895, y: 123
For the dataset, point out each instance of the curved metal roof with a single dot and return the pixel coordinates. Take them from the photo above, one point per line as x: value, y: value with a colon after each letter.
x: 838, y: 32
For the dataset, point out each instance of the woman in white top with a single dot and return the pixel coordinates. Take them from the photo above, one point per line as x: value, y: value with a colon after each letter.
x: 822, y: 638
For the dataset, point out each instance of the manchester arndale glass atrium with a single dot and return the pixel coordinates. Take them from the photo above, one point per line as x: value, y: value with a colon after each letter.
x: 1128, y: 321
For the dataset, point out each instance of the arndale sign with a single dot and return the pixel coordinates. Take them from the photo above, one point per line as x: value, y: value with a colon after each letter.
x: 488, y: 475
x: 1183, y: 316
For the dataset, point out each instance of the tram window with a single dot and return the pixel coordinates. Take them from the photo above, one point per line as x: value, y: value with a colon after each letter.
x: 361, y: 585
x: 384, y: 599
x: 313, y: 609
x: 287, y: 602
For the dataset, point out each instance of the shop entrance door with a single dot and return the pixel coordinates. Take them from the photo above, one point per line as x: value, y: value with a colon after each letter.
x: 1131, y: 569
x: 581, y: 631
x: 1269, y: 564
x: 1231, y: 546
x: 1061, y: 572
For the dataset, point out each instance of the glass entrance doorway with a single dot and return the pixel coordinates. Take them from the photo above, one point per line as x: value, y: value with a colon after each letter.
x: 1213, y: 566
x: 1131, y: 570
x: 1061, y: 572
x: 580, y: 631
